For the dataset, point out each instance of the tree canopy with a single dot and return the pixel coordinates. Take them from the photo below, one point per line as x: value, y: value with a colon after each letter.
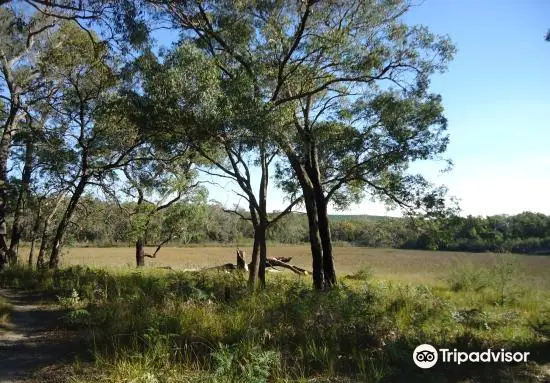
x: 330, y: 101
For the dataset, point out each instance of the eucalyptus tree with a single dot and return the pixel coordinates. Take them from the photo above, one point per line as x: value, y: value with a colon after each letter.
x: 90, y: 126
x: 22, y: 37
x: 216, y: 112
x: 160, y: 181
x: 25, y: 156
x: 312, y: 66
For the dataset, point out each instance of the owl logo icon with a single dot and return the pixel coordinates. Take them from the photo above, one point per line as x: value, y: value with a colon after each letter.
x: 425, y: 356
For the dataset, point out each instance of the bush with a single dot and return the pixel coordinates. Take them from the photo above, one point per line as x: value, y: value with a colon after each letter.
x: 240, y: 363
x: 466, y: 276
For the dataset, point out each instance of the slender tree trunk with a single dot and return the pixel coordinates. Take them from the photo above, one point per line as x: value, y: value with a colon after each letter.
x: 260, y: 221
x: 313, y: 220
x: 5, y: 144
x: 315, y: 242
x: 10, y: 127
x: 254, y: 267
x: 35, y: 229
x: 263, y: 253
x: 31, y: 253
x: 263, y: 213
x: 140, y: 257
x: 324, y: 225
x: 326, y: 243
x: 57, y: 242
x: 40, y: 260
x: 314, y: 173
x: 21, y: 201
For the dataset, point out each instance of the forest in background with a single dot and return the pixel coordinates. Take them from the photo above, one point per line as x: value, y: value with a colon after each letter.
x: 104, y: 223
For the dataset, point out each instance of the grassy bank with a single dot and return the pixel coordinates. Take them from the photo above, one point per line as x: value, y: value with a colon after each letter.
x: 165, y: 326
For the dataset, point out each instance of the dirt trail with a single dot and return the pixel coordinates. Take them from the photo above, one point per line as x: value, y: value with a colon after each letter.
x: 33, y: 340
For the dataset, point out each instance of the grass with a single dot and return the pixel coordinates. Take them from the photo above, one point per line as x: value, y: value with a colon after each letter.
x: 156, y: 325
x: 414, y: 266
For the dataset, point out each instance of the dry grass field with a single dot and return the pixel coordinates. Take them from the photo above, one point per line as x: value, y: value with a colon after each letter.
x: 389, y: 264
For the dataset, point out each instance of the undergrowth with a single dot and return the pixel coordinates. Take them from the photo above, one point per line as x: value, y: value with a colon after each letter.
x: 166, y: 326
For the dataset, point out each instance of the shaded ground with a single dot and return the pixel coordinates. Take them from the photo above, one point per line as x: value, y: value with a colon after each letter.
x: 33, y: 340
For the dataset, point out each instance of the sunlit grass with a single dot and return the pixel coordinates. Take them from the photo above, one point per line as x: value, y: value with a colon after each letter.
x: 170, y: 326
x: 411, y: 266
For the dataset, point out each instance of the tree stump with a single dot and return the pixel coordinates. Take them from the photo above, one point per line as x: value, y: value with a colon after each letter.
x: 241, y: 261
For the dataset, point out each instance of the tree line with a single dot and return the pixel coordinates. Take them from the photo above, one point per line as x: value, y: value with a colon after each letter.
x: 329, y: 101
x: 102, y: 223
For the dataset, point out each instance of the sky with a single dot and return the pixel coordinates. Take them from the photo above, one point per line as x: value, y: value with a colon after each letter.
x: 496, y: 95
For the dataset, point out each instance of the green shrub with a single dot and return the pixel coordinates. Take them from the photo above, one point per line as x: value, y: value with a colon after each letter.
x: 466, y: 276
x: 240, y: 363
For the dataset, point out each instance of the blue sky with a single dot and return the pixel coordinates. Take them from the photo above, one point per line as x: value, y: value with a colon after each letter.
x: 497, y: 99
x: 496, y: 95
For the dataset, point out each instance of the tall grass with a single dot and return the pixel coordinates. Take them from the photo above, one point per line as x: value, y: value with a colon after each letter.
x: 166, y: 326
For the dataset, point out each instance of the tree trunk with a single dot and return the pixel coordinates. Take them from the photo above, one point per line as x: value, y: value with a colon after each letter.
x: 262, y: 213
x: 140, y: 255
x: 241, y: 260
x: 326, y: 243
x: 40, y: 260
x: 31, y: 254
x: 263, y: 254
x: 35, y: 229
x: 254, y: 263
x: 57, y: 243
x: 315, y: 242
x: 260, y: 222
x: 314, y: 173
x: 313, y: 220
x: 5, y: 144
x: 21, y: 201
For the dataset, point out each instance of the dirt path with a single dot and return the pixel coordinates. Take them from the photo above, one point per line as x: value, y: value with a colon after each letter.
x: 33, y: 341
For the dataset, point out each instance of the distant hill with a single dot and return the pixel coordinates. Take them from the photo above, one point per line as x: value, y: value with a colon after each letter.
x: 358, y: 217
x: 351, y: 217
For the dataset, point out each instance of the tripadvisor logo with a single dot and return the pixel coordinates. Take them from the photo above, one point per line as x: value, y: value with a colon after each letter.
x: 426, y: 356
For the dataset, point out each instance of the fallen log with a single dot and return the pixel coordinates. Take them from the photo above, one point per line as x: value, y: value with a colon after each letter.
x: 269, y: 263
x: 273, y: 262
x: 225, y: 266
x: 282, y: 259
x: 241, y: 262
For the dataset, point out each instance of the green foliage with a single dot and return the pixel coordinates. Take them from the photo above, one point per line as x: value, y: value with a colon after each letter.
x: 500, y: 276
x: 466, y: 276
x: 364, y: 274
x: 208, y: 327
x: 241, y: 364
x: 193, y: 221
x: 70, y: 302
